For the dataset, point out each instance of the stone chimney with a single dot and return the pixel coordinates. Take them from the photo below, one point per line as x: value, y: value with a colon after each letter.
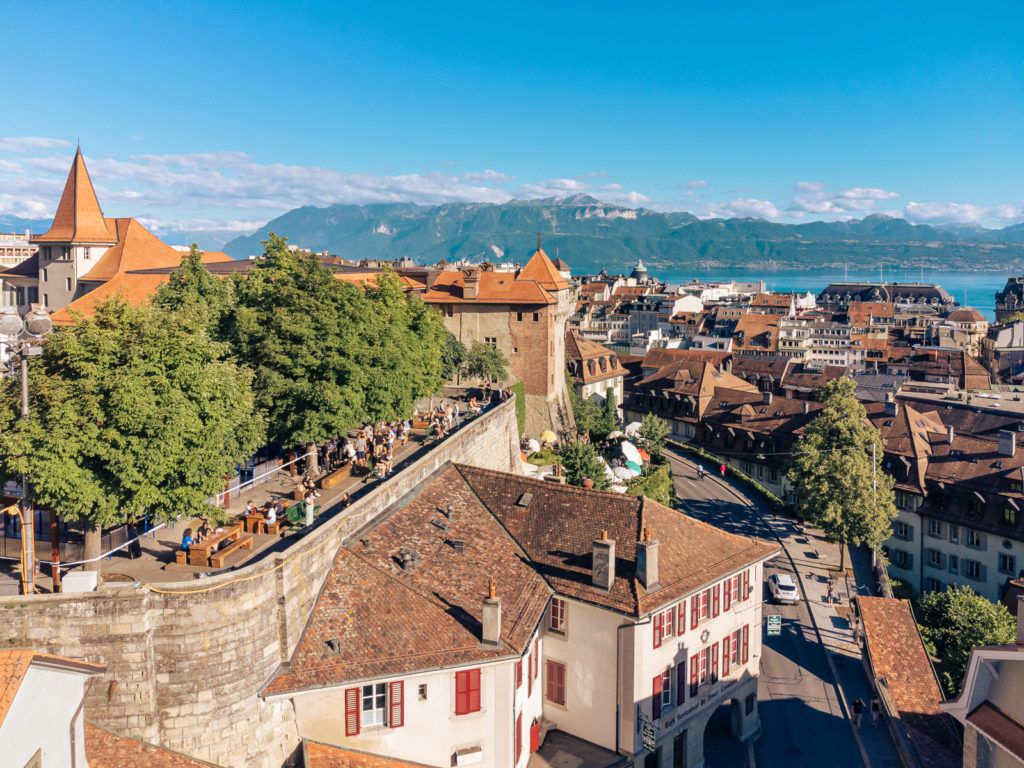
x: 647, y: 561
x: 892, y: 408
x: 807, y: 407
x: 471, y: 284
x: 603, y: 566
x: 1007, y: 443
x: 950, y: 434
x: 491, y: 634
x: 766, y: 397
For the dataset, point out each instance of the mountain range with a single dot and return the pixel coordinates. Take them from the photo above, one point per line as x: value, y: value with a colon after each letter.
x: 592, y: 235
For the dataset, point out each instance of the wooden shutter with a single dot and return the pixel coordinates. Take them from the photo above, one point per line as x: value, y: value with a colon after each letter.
x: 462, y: 692
x: 352, y: 711
x: 681, y: 611
x: 745, y: 644
x: 694, y: 611
x: 714, y: 663
x: 519, y: 738
x: 659, y: 623
x: 745, y: 592
x: 726, y: 594
x: 694, y: 674
x: 519, y: 673
x: 396, y: 704
x: 474, y: 690
x: 536, y: 656
x: 656, y: 697
x: 681, y: 682
x: 529, y: 677
x: 715, y: 598
x: 725, y: 656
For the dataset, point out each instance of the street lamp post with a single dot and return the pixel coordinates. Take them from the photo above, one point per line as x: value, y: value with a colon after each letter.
x: 18, y: 334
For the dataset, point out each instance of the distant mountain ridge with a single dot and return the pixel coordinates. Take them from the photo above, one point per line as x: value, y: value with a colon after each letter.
x: 591, y: 235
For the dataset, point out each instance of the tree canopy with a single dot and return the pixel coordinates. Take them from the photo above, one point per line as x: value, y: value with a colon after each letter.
x: 957, y: 620
x: 580, y: 462
x: 654, y: 431
x: 132, y: 413
x: 196, y: 296
x: 837, y: 483
x: 485, y: 362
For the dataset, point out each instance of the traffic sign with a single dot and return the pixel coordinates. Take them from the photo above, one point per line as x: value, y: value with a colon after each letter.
x: 648, y: 736
x: 774, y: 625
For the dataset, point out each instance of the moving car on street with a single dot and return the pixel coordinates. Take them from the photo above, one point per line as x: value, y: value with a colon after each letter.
x: 782, y: 588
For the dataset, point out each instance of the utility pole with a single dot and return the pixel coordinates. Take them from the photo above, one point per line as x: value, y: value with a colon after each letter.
x: 28, y: 533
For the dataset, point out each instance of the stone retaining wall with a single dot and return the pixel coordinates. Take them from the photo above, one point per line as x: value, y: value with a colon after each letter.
x: 186, y: 660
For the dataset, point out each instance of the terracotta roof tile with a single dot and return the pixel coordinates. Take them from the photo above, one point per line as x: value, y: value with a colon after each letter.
x: 136, y: 248
x: 16, y: 662
x: 495, y: 288
x: 325, y: 756
x: 104, y: 749
x: 1000, y: 727
x: 756, y: 332
x: 541, y: 270
x: 78, y: 218
x: 594, y: 362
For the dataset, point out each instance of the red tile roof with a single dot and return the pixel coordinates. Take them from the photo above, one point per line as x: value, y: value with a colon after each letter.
x: 900, y: 665
x: 78, y: 218
x: 1000, y: 727
x: 325, y: 756
x: 494, y: 288
x: 594, y: 362
x: 540, y: 269
x: 104, y: 749
x: 14, y: 664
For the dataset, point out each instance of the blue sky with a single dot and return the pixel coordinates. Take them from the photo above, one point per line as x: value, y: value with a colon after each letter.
x: 218, y: 116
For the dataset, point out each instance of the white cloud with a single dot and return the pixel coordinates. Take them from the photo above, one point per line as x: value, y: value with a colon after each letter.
x: 628, y: 199
x: 488, y: 175
x: 25, y: 143
x: 962, y: 213
x: 554, y: 188
x: 696, y: 184
x: 742, y: 207
x: 813, y: 197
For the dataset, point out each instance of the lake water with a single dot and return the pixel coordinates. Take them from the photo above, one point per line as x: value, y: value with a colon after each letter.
x: 973, y: 289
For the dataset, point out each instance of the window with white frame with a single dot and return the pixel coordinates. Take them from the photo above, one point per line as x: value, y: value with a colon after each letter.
x: 374, y: 704
x: 972, y: 569
x: 556, y: 621
x: 1007, y: 564
x: 973, y: 538
x: 666, y: 688
x: 934, y: 527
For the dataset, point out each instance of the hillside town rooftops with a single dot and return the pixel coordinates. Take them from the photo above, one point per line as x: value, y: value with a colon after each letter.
x: 593, y: 362
x: 327, y: 756
x: 450, y: 287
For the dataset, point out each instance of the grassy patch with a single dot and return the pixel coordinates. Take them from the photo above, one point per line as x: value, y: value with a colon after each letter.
x: 520, y: 392
x: 542, y: 457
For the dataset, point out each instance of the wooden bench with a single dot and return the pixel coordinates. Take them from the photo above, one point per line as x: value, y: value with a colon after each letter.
x: 181, y: 557
x: 242, y: 542
x: 337, y: 476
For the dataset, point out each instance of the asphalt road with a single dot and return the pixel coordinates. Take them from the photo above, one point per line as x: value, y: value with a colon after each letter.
x: 802, y: 722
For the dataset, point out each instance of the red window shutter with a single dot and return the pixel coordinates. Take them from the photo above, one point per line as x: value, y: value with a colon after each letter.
x: 461, y: 693
x: 725, y: 656
x: 681, y: 682
x: 352, y: 711
x: 396, y: 704
x: 681, y: 610
x: 536, y: 656
x: 519, y: 673
x: 529, y: 677
x: 745, y: 644
x: 726, y: 594
x: 656, y: 697
x: 746, y: 585
x: 658, y: 625
x: 694, y: 674
x: 715, y: 600
x: 714, y: 662
x: 519, y: 737
x: 474, y: 690
x: 695, y: 611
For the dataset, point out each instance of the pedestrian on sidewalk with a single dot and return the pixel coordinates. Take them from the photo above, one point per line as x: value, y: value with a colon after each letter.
x: 831, y: 589
x: 876, y: 711
x: 721, y: 469
x: 858, y: 712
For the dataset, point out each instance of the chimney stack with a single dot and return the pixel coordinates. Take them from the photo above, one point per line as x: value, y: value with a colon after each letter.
x: 892, y: 408
x: 647, y: 562
x: 603, y: 562
x: 491, y: 634
x: 471, y: 284
x: 1007, y: 443
x: 950, y: 434
x: 766, y: 397
x: 807, y: 407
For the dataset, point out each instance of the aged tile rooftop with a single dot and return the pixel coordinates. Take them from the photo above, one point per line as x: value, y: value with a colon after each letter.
x: 325, y: 756
x: 1000, y: 727
x: 531, y: 536
x: 14, y: 664
x: 104, y: 749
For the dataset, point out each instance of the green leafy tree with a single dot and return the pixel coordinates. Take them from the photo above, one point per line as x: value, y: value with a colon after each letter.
x: 610, y: 414
x: 453, y: 355
x: 1016, y: 317
x: 303, y: 333
x: 957, y: 620
x: 838, y: 484
x: 581, y: 462
x: 132, y: 414
x: 653, y: 433
x: 196, y: 296
x: 589, y: 418
x: 485, y: 362
x: 655, y: 483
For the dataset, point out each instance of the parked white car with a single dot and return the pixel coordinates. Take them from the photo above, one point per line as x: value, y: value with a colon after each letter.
x: 782, y: 588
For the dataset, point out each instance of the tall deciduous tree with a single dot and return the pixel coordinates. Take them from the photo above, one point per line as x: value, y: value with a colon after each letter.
x: 580, y: 462
x: 654, y: 432
x: 196, y: 296
x: 837, y: 472
x: 485, y: 362
x: 132, y: 413
x: 957, y: 620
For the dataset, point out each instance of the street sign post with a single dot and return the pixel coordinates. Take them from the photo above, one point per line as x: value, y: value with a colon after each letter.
x: 647, y: 733
x: 774, y: 625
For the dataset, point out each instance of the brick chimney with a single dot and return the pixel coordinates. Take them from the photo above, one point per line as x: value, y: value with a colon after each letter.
x: 892, y: 408
x: 603, y: 565
x: 491, y: 634
x: 950, y: 434
x: 471, y: 284
x: 807, y: 407
x: 1007, y: 443
x: 647, y: 561
x: 766, y: 397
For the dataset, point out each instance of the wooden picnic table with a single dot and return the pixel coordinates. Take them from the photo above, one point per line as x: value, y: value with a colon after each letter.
x: 199, y: 554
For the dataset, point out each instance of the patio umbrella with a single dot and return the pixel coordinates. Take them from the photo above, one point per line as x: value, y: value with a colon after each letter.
x: 534, y: 445
x: 635, y: 467
x: 624, y: 473
x: 547, y: 436
x: 631, y: 453
x: 616, y: 434
x: 633, y: 428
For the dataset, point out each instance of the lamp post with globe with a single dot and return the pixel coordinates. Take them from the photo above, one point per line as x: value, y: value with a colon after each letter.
x: 17, y: 335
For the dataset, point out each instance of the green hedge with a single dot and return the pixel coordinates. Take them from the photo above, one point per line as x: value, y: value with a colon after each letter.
x: 520, y: 392
x: 778, y: 505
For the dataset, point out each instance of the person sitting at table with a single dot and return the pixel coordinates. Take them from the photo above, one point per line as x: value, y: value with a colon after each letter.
x: 474, y: 406
x: 250, y: 508
x: 203, y: 533
x: 271, y: 514
x: 186, y: 540
x: 386, y: 464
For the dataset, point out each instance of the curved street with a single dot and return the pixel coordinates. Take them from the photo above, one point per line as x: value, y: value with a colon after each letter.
x: 803, y: 712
